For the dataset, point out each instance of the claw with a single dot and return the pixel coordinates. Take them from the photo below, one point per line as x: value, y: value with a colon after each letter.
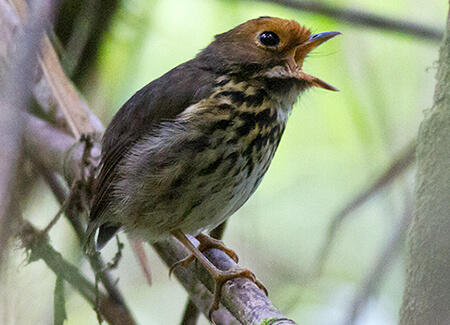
x: 207, y: 242
x: 220, y: 277
x: 184, y: 263
x: 224, y: 276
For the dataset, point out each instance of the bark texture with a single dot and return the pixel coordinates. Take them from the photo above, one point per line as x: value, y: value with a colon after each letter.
x: 426, y: 298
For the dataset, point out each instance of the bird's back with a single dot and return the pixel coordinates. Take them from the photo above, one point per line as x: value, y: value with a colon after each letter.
x: 191, y: 174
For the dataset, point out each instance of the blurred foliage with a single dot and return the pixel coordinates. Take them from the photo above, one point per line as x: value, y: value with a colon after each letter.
x: 334, y: 144
x: 79, y: 26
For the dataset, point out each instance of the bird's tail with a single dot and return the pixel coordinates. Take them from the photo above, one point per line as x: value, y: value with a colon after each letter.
x: 89, y: 245
x: 97, y: 236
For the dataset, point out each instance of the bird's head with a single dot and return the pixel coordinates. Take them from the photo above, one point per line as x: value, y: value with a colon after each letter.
x: 267, y: 47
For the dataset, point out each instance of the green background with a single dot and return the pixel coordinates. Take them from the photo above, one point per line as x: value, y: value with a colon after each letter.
x: 334, y: 145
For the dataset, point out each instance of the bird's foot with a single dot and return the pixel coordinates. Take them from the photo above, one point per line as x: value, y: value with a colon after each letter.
x: 220, y: 277
x: 205, y: 242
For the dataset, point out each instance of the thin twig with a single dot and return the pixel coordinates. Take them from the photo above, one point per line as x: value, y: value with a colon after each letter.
x: 241, y: 296
x: 39, y: 248
x: 59, y: 302
x: 56, y: 217
x: 242, y: 303
x: 171, y: 253
x: 373, y: 279
x: 62, y: 195
x: 360, y: 18
x: 53, y: 152
x: 24, y: 68
x: 73, y: 216
x: 396, y: 167
x: 191, y: 314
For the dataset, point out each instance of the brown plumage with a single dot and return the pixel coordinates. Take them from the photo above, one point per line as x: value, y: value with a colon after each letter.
x: 187, y: 150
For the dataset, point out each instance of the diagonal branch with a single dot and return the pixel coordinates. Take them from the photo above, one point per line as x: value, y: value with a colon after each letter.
x: 396, y: 167
x: 242, y: 298
x: 373, y: 279
x: 58, y: 99
x: 364, y: 19
x: 15, y: 85
x: 39, y: 248
x: 50, y: 163
x: 56, y: 152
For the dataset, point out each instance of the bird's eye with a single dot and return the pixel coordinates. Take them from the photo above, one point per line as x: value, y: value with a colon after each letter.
x: 269, y: 38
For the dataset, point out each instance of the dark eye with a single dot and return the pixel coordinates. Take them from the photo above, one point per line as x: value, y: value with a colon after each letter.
x: 269, y: 38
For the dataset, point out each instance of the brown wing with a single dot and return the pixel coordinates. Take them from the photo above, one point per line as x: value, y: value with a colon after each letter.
x: 162, y: 99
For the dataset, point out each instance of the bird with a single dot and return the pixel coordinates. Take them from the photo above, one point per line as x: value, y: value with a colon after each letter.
x: 186, y: 151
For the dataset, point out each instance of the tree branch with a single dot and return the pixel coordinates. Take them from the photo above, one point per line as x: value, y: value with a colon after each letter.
x: 243, y: 299
x: 363, y: 19
x: 396, y: 167
x: 39, y: 248
x: 373, y: 279
x: 15, y: 93
x: 51, y: 161
x: 58, y: 153
x: 58, y: 100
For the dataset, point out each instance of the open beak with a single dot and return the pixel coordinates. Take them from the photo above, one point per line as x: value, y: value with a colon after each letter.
x: 302, y: 51
x: 317, y: 39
